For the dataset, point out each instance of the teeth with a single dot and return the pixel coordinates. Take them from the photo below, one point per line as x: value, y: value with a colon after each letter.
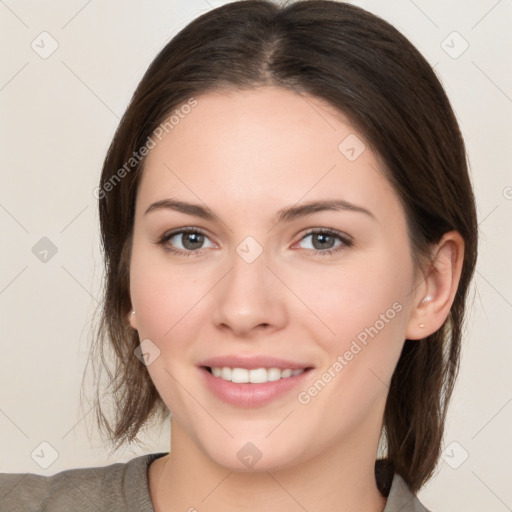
x: 256, y: 376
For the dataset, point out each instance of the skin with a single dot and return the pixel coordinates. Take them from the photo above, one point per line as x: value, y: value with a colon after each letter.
x: 246, y: 155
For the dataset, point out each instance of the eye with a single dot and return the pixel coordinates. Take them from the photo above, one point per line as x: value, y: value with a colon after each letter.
x: 184, y: 241
x: 323, y: 241
x: 190, y: 241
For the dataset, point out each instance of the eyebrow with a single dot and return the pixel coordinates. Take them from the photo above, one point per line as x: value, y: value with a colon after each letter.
x: 284, y: 215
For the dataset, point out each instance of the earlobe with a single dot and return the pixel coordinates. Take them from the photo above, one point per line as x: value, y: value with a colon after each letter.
x: 441, y: 283
x: 132, y: 320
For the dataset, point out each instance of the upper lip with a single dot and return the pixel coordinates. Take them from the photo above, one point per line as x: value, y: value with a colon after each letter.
x: 253, y: 362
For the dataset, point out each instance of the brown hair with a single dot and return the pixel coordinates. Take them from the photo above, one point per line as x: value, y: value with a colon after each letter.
x: 374, y: 76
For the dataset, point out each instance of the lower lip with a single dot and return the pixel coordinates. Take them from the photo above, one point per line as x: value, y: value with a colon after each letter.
x: 248, y: 394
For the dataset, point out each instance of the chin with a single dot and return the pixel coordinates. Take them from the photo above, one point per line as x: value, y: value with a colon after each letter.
x: 253, y: 457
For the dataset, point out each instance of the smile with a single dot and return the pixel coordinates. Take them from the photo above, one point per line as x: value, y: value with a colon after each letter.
x: 254, y: 387
x: 254, y: 376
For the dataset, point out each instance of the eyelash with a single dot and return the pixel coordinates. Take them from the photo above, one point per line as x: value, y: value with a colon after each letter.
x: 346, y: 242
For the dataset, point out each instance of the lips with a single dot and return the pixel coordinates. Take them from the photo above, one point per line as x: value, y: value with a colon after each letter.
x: 252, y: 381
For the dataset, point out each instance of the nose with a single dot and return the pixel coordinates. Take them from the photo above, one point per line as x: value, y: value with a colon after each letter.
x: 250, y: 299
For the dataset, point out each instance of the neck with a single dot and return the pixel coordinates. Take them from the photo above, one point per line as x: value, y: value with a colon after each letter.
x: 341, y: 480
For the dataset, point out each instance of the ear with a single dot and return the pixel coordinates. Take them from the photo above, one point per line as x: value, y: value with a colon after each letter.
x: 440, y: 283
x: 132, y: 320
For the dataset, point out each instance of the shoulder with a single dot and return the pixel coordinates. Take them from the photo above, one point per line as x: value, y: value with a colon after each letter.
x: 401, y: 499
x: 391, y: 485
x: 118, y: 486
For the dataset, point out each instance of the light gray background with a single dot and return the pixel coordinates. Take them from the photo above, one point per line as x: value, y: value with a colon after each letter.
x: 58, y: 115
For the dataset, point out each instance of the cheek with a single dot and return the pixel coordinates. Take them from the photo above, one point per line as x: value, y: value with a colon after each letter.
x: 363, y: 311
x: 345, y: 300
x: 365, y: 314
x: 163, y: 295
x: 166, y: 299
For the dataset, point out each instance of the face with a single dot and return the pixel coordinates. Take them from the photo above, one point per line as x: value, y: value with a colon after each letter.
x: 252, y: 279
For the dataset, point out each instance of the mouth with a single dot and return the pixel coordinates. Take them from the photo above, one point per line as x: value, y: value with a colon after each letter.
x: 256, y: 386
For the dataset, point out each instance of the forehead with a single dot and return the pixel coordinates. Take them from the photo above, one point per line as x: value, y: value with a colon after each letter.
x: 262, y: 146
x: 233, y: 126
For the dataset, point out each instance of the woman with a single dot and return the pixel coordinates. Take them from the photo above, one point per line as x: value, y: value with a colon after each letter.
x: 289, y: 233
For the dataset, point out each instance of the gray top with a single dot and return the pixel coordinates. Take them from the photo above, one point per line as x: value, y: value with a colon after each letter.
x: 119, y: 487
